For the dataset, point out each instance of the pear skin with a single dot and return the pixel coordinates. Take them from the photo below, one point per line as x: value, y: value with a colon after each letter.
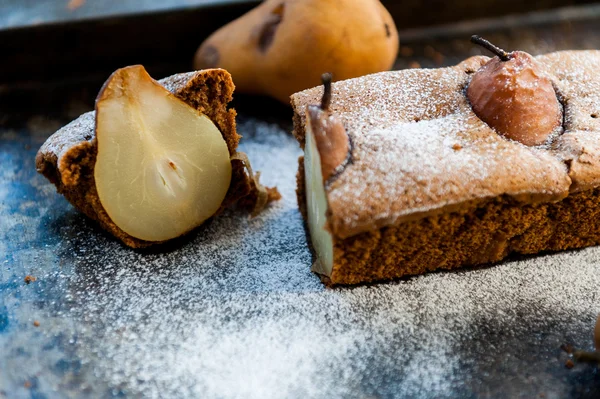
x: 283, y: 46
x: 515, y: 96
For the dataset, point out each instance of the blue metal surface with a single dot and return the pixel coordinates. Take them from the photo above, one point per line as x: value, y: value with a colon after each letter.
x: 111, y: 320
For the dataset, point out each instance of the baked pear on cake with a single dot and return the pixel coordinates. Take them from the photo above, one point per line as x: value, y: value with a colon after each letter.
x: 155, y: 159
x: 428, y: 184
x: 515, y: 96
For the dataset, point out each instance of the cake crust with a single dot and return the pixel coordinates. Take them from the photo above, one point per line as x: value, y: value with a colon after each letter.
x: 430, y: 186
x: 68, y: 157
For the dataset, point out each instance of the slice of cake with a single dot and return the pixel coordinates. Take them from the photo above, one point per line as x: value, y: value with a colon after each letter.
x: 155, y: 159
x: 422, y: 183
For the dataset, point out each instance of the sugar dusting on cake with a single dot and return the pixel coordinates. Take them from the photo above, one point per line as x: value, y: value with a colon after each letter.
x: 417, y: 167
x: 78, y: 130
x: 418, y: 147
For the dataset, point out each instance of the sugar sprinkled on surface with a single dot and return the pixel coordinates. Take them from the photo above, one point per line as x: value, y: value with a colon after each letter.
x: 235, y: 312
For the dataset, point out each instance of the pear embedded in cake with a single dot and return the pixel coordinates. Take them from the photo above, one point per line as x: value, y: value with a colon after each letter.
x: 316, y: 205
x: 162, y: 167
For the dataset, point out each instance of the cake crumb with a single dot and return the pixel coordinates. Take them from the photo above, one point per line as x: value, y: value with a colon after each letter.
x: 36, y: 323
x: 29, y: 279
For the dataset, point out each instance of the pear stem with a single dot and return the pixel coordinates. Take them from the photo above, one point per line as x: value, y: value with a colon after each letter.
x: 326, y: 99
x: 503, y: 55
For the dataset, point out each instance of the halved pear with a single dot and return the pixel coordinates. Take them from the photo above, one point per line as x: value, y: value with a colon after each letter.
x: 162, y: 167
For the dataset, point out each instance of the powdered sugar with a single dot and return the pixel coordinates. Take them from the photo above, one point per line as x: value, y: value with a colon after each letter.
x: 418, y: 146
x: 415, y: 167
x: 234, y: 312
x: 79, y: 130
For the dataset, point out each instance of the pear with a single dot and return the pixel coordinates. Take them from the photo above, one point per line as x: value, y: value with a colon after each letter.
x: 162, y: 167
x: 515, y: 96
x: 283, y: 46
x: 326, y: 151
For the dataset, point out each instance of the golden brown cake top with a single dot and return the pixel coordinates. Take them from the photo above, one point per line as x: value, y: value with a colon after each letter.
x: 418, y: 148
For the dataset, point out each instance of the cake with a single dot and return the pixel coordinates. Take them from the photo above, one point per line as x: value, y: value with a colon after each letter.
x: 68, y: 158
x: 427, y: 185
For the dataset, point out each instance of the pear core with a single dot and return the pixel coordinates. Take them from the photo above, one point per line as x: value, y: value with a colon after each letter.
x: 316, y: 203
x: 162, y: 167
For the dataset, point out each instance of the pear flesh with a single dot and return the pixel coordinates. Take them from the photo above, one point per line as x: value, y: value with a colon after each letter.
x: 162, y: 168
x: 316, y: 205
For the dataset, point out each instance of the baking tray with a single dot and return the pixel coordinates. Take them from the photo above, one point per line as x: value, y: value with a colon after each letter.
x: 233, y: 311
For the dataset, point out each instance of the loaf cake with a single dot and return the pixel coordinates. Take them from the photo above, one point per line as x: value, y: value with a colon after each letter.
x: 69, y: 157
x: 427, y: 185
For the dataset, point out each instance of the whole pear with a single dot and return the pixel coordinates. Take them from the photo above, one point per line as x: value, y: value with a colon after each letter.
x: 283, y: 46
x: 513, y: 95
